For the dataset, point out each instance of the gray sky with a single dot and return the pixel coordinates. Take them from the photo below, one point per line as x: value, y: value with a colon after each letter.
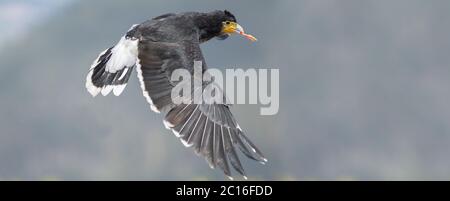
x: 17, y: 17
x: 364, y: 92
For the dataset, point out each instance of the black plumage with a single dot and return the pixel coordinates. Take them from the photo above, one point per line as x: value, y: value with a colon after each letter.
x: 167, y: 43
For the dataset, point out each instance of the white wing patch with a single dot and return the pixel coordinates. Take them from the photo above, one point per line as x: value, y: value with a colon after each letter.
x: 124, y: 55
x: 118, y: 89
x: 119, y: 59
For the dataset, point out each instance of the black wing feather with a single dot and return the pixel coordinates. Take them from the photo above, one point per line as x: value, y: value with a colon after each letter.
x: 210, y: 128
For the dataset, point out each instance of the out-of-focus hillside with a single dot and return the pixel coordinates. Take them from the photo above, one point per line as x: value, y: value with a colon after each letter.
x: 364, y: 93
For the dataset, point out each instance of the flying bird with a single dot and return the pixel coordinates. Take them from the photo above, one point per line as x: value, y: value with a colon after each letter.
x: 156, y: 48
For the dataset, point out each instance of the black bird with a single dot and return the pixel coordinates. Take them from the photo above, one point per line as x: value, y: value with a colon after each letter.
x: 156, y: 48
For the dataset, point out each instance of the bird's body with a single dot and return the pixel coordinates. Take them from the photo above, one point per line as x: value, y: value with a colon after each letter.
x: 156, y: 48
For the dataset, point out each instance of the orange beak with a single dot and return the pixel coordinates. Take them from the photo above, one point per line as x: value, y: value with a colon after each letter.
x: 233, y: 27
x: 241, y: 31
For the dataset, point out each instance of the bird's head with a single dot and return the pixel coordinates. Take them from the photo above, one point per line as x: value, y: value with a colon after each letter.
x: 222, y: 24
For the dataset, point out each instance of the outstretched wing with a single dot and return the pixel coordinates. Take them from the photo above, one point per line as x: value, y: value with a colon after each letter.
x: 210, y: 128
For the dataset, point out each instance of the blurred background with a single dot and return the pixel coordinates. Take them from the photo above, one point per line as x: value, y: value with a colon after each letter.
x: 364, y: 91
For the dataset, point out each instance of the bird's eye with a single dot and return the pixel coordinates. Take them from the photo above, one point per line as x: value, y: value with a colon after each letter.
x: 227, y: 22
